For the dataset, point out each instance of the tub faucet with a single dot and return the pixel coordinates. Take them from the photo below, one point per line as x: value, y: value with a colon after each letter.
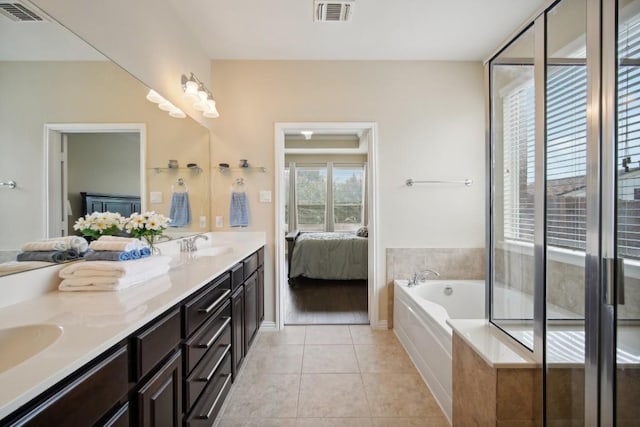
x: 421, y: 275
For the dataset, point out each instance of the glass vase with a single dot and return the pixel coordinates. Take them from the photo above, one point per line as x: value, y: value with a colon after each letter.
x: 151, y: 241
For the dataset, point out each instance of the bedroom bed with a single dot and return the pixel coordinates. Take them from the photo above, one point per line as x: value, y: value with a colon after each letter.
x: 327, y: 256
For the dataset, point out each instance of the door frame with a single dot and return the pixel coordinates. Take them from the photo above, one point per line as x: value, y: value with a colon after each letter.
x: 53, y: 170
x: 375, y: 281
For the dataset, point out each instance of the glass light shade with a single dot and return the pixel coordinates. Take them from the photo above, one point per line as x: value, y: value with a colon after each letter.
x: 191, y: 91
x: 177, y: 113
x: 166, y: 106
x: 211, y: 112
x: 154, y: 97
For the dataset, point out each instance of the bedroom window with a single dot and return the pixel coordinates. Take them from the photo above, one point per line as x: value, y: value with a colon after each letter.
x: 311, y: 197
x: 327, y: 196
x: 348, y: 197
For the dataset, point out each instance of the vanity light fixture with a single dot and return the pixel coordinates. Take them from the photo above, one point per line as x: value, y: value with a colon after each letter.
x: 307, y: 134
x: 165, y: 105
x: 196, y: 92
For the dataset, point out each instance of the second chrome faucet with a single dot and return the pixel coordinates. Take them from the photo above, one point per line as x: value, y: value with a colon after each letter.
x: 188, y: 244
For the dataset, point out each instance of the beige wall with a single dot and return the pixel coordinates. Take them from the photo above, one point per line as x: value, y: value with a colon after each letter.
x: 142, y: 36
x: 430, y: 118
x: 36, y: 93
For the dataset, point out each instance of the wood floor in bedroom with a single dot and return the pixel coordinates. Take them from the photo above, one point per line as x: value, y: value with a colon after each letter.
x: 322, y: 302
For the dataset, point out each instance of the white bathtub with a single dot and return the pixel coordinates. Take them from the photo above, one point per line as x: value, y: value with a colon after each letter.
x: 419, y: 320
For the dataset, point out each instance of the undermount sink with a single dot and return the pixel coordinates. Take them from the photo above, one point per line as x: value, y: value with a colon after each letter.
x: 212, y: 251
x: 22, y: 342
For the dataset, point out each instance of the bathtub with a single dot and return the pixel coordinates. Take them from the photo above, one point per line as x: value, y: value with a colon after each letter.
x: 419, y: 320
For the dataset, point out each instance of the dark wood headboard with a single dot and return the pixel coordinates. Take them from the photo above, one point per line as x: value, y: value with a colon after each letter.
x: 99, y: 202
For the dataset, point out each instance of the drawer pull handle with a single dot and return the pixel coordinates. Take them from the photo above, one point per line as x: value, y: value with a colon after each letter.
x: 215, y: 402
x: 216, y: 302
x: 208, y: 377
x: 217, y: 334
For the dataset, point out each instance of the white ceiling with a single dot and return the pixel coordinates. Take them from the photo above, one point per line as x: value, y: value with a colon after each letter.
x: 379, y: 30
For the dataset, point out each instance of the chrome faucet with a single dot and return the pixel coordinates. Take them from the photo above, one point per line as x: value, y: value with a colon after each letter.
x: 421, y: 276
x: 188, y: 244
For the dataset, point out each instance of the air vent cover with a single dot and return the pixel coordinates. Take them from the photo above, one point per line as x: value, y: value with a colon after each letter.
x: 19, y: 12
x: 333, y: 11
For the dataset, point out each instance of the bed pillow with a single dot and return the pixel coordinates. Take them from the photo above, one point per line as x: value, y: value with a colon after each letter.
x: 362, y: 232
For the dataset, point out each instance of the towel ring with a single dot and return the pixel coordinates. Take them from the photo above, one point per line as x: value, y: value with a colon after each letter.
x: 180, y: 183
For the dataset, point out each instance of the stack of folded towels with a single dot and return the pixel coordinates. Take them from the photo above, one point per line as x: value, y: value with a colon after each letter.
x: 111, y: 275
x: 60, y: 249
x: 113, y: 248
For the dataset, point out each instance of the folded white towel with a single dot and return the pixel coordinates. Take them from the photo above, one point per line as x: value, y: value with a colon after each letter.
x: 58, y: 244
x: 119, y: 244
x: 114, y: 268
x: 110, y: 283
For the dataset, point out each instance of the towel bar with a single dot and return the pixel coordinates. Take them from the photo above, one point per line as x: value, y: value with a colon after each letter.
x: 409, y: 182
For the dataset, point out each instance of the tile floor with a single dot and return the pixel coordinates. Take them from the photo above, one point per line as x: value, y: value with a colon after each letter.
x: 333, y: 376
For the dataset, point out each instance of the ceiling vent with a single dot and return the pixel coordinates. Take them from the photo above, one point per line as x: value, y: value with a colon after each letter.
x: 18, y: 12
x: 333, y: 11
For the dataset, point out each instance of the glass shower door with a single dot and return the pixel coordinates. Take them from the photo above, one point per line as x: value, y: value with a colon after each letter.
x: 565, y: 211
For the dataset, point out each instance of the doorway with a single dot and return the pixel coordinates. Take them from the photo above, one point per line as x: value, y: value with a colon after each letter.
x: 327, y: 158
x: 90, y: 158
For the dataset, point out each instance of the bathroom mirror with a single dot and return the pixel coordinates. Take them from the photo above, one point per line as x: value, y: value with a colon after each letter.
x: 55, y: 85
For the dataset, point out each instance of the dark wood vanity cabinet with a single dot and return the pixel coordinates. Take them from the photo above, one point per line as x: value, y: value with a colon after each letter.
x: 237, y: 330
x: 176, y: 370
x: 250, y: 310
x: 94, y: 393
x: 159, y: 400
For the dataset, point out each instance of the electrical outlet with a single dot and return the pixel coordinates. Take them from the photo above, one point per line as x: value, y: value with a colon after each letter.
x: 203, y: 221
x: 219, y: 222
x: 265, y: 196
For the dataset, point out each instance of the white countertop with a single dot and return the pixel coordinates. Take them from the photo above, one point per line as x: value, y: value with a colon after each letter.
x: 490, y: 344
x: 92, y: 322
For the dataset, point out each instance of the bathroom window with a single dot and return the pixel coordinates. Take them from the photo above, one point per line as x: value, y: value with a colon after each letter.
x: 327, y: 197
x: 566, y: 145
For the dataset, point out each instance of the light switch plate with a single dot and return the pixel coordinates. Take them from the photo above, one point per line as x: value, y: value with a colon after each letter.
x: 203, y: 221
x: 219, y: 222
x: 265, y: 196
x: 155, y: 197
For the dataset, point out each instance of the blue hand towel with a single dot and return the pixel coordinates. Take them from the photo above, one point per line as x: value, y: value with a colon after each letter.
x: 180, y: 212
x: 239, y: 209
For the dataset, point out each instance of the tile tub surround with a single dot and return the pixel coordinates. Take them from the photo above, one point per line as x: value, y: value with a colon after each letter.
x: 485, y: 395
x: 451, y: 263
x: 329, y: 376
x: 92, y: 322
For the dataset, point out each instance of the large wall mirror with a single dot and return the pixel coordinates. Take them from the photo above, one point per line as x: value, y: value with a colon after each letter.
x: 73, y: 122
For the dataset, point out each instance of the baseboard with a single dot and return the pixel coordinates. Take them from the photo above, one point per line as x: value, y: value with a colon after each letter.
x: 268, y: 325
x: 381, y: 324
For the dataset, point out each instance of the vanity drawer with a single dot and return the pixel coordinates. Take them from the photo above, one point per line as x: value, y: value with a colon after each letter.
x: 217, y: 362
x: 250, y: 265
x: 237, y: 275
x: 152, y: 344
x: 198, y: 309
x: 84, y: 400
x: 215, y: 332
x: 212, y: 398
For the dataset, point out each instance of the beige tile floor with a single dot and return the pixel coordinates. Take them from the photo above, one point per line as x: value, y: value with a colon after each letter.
x: 333, y: 376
